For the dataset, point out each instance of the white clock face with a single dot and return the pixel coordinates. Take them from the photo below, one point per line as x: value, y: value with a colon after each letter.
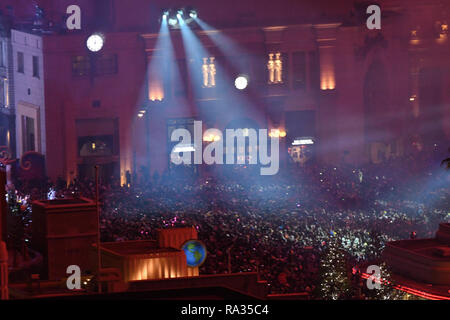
x: 95, y: 42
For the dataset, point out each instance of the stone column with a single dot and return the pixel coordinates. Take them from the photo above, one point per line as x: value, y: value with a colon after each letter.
x: 414, y: 78
x: 327, y: 149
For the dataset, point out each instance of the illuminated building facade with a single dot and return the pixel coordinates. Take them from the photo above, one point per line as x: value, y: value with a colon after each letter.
x: 314, y: 70
x: 7, y: 108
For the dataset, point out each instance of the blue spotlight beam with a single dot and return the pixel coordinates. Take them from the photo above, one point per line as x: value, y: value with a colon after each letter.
x: 164, y: 61
x: 195, y: 51
x: 161, y: 63
x: 233, y: 101
x: 226, y: 46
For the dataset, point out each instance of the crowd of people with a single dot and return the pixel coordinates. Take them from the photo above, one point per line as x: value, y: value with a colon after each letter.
x: 280, y: 225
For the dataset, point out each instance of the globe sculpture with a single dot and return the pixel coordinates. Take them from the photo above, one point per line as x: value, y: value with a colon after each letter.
x: 195, y: 252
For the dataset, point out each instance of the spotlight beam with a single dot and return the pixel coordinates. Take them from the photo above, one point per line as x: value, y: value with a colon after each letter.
x: 225, y: 45
x: 162, y: 63
x: 195, y: 51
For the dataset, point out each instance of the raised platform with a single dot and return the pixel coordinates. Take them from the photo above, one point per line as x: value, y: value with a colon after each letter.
x: 423, y: 260
x: 244, y: 285
x: 245, y: 282
x: 133, y: 248
x: 209, y: 293
x: 63, y: 231
x: 143, y: 260
x: 443, y: 234
x: 149, y: 259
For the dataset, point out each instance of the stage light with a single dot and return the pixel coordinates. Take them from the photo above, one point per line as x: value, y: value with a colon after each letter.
x: 165, y: 14
x: 300, y: 142
x: 241, y: 82
x: 211, y: 137
x: 277, y: 133
x: 180, y: 14
x: 193, y: 14
x: 173, y: 21
x: 183, y: 148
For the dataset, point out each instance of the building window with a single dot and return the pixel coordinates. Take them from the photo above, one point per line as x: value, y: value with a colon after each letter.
x: 2, y: 54
x: 106, y: 64
x: 96, y: 146
x: 28, y: 134
x: 181, y: 78
x: 209, y: 72
x: 35, y: 67
x: 4, y: 136
x: 275, y: 68
x: 20, y: 62
x: 4, y: 94
x: 81, y: 66
x: 299, y: 70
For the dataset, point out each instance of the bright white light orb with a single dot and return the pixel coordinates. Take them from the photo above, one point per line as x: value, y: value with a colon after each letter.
x: 95, y: 42
x: 241, y: 82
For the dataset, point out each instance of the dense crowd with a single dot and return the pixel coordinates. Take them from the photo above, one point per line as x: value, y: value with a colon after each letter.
x: 279, y: 225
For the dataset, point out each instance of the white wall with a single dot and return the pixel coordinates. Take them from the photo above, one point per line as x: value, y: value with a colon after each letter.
x: 29, y: 90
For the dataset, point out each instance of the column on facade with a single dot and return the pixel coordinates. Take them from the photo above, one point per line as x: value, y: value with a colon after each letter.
x: 155, y: 130
x: 327, y: 147
x: 275, y: 114
x: 414, y: 95
x: 446, y: 103
x: 126, y: 153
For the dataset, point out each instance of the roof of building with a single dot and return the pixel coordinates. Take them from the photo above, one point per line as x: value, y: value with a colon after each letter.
x: 423, y: 247
x: 138, y: 247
